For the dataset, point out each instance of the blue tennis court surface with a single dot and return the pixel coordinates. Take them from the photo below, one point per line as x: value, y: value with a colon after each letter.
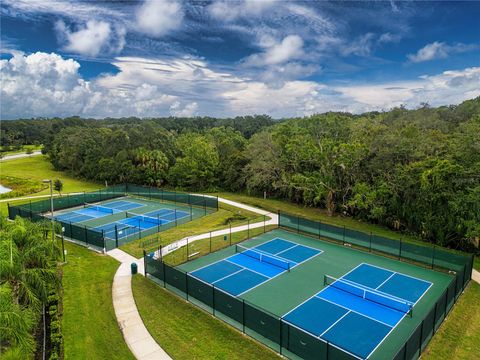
x: 136, y: 223
x: 357, y: 311
x: 251, y: 267
x: 93, y: 211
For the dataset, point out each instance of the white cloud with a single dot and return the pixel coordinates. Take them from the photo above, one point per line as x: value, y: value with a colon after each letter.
x: 159, y: 17
x: 231, y: 10
x: 440, y: 50
x: 88, y: 40
x: 49, y: 85
x: 277, y: 53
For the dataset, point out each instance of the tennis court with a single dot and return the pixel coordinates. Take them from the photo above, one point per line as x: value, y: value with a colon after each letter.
x: 359, y: 310
x: 251, y: 267
x: 317, y: 299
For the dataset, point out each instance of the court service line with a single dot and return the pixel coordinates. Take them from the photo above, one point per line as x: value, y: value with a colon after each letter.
x: 335, y: 323
x: 410, y: 276
x: 236, y: 272
x: 291, y: 247
x: 259, y: 273
x: 314, y: 295
x: 354, y: 311
x: 393, y: 273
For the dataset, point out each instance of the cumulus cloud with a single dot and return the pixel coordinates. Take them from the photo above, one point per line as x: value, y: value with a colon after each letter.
x: 49, y: 85
x: 90, y: 39
x: 158, y: 18
x: 440, y: 50
x: 277, y: 53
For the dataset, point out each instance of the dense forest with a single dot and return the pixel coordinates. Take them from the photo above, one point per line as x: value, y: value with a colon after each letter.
x: 416, y: 171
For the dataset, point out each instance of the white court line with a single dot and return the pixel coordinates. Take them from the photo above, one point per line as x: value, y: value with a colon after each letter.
x: 259, y: 273
x: 236, y: 272
x: 383, y: 282
x: 354, y: 311
x: 291, y: 247
x: 311, y: 297
x: 273, y: 277
x: 335, y: 323
x: 410, y: 276
x: 307, y: 246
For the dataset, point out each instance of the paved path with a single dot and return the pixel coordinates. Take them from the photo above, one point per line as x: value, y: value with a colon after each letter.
x: 141, y: 343
x: 38, y: 196
x: 19, y: 156
x: 476, y: 276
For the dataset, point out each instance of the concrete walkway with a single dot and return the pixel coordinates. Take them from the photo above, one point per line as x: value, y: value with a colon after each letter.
x: 476, y: 276
x: 142, y: 345
x: 19, y: 156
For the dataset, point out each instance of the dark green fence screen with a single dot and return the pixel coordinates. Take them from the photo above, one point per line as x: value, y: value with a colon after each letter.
x: 39, y: 210
x: 426, y: 255
x: 250, y: 319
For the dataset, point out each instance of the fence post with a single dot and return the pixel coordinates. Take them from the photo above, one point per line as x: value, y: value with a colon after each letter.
x: 370, y: 246
x: 400, y: 250
x: 104, y: 242
x: 343, y: 234
x: 144, y: 263
x: 243, y: 315
x: 433, y: 256
x: 86, y: 234
x: 210, y: 248
x: 116, y: 236
x: 248, y: 229
x: 319, y: 229
x: 264, y: 224
x: 191, y: 212
x: 175, y: 211
x: 298, y: 224
x: 164, y: 276
x: 160, y: 253
x: 230, y: 233
x: 187, y: 249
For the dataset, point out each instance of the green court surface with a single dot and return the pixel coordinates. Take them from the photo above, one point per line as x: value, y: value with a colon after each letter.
x: 287, y: 290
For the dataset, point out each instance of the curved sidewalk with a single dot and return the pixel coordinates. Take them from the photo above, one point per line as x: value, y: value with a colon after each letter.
x: 142, y: 345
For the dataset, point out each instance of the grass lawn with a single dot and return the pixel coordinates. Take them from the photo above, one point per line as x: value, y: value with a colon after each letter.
x: 459, y: 336
x: 186, y: 332
x: 37, y: 168
x: 219, y: 220
x: 89, y: 325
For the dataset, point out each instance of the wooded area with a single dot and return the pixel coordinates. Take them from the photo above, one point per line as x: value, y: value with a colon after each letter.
x: 416, y: 171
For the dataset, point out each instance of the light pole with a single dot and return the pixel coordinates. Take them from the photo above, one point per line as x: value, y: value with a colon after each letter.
x: 51, y: 207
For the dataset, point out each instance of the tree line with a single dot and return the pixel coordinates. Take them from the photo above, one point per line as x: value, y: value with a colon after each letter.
x: 417, y: 171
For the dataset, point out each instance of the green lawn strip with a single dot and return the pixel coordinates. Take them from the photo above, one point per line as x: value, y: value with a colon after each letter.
x: 186, y: 332
x: 459, y: 336
x: 20, y: 186
x: 89, y: 324
x: 220, y: 219
x: 203, y: 247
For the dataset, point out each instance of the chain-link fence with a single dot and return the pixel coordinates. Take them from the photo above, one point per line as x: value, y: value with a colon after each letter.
x: 427, y: 255
x: 252, y: 320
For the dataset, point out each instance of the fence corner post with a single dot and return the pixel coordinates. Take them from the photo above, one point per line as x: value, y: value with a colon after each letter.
x: 144, y: 263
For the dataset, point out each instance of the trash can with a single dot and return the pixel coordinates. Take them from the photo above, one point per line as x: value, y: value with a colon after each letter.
x: 134, y: 268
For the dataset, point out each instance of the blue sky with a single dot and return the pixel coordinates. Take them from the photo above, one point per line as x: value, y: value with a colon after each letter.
x: 227, y: 58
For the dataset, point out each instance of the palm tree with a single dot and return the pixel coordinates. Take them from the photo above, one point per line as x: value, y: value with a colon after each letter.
x: 28, y: 262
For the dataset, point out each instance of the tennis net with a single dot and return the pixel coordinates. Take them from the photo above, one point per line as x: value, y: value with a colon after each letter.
x: 99, y: 208
x: 263, y: 257
x: 369, y: 294
x: 144, y: 218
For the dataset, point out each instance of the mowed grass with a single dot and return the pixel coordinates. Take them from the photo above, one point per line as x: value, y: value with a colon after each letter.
x: 89, y: 324
x: 226, y: 215
x: 459, y: 336
x: 22, y: 150
x: 37, y: 168
x: 186, y: 332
